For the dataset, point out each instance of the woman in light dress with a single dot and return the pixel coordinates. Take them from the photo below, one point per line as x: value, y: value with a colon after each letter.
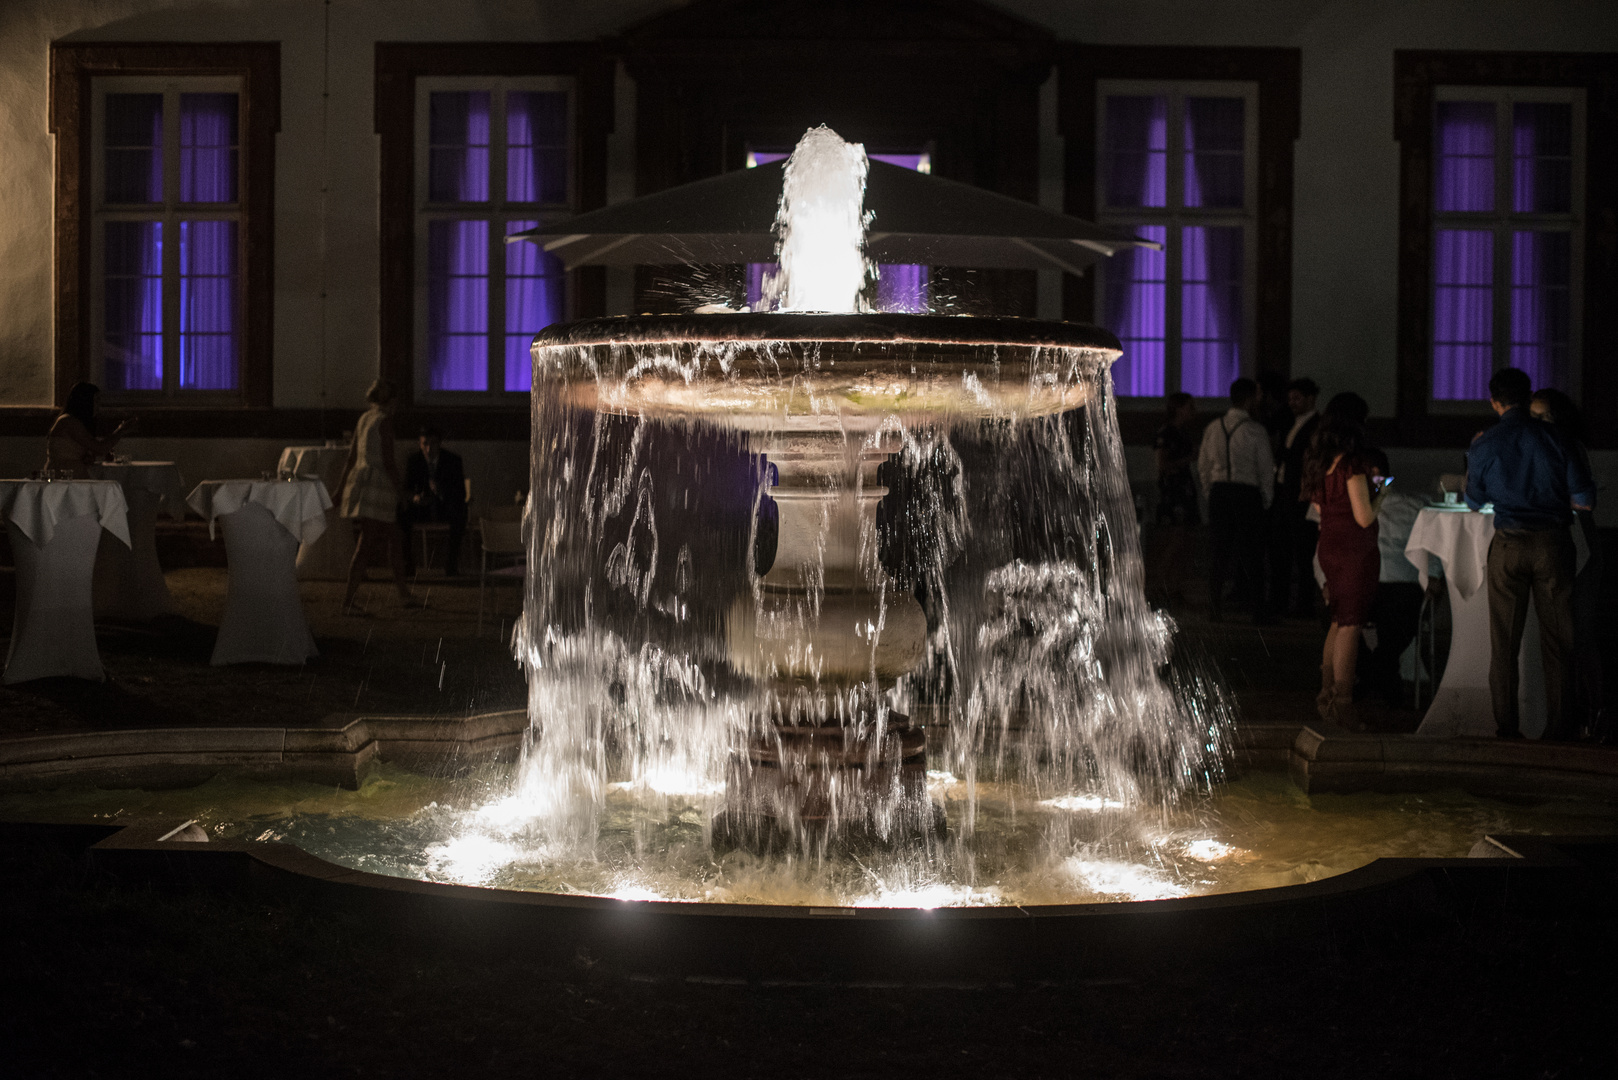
x: 368, y: 493
x: 72, y: 445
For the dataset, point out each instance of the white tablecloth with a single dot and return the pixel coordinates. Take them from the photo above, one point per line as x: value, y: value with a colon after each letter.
x: 54, y: 530
x: 327, y: 558
x: 1462, y: 704
x: 264, y: 522
x: 128, y: 580
x: 299, y: 505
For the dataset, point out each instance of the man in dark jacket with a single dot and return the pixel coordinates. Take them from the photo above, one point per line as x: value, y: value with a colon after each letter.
x: 1535, y: 479
x: 434, y: 490
x: 1292, y: 534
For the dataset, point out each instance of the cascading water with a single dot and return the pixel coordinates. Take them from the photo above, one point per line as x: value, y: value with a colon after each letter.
x: 809, y: 595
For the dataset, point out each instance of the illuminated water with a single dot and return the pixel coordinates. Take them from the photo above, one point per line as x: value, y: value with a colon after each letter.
x: 1259, y: 832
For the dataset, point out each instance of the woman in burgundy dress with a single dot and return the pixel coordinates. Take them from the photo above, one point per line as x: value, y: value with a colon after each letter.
x: 1337, y: 481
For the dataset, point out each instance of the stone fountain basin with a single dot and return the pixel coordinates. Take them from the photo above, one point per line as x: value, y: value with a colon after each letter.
x: 833, y: 372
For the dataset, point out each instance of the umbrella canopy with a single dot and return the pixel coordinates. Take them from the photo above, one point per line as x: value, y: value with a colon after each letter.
x: 919, y: 219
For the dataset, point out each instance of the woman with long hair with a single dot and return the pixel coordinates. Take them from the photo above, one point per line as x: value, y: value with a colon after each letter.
x: 1336, y: 479
x: 72, y: 444
x: 1555, y: 407
x: 368, y: 494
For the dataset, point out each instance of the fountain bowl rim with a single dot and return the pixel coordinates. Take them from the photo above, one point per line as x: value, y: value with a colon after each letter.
x: 877, y: 328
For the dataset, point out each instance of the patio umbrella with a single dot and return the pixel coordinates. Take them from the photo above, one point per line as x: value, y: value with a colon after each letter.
x: 920, y: 218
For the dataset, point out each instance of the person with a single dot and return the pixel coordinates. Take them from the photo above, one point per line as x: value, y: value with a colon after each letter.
x: 72, y: 445
x: 1336, y: 482
x: 1177, y: 510
x: 1589, y: 686
x: 1396, y: 612
x: 368, y: 493
x: 1535, y: 479
x: 1292, y: 534
x: 435, y: 490
x: 1238, y: 476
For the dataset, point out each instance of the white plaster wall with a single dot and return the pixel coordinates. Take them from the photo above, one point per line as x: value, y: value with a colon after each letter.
x: 325, y: 241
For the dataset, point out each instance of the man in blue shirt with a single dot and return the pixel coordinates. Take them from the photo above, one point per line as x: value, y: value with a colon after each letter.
x: 1535, y: 479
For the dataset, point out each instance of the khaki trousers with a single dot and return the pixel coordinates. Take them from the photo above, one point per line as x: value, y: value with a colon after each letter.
x: 1537, y: 563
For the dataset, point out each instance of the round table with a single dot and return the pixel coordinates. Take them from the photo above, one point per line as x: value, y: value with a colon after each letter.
x: 327, y: 558
x: 128, y: 580
x: 55, y: 527
x: 264, y: 522
x: 1462, y: 705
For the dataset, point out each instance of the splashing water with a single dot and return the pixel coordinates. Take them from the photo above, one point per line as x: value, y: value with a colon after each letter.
x: 778, y: 569
x: 821, y: 225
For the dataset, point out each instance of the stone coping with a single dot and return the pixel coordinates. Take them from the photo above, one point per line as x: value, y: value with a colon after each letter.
x: 1325, y: 761
x: 336, y: 751
x: 1387, y: 900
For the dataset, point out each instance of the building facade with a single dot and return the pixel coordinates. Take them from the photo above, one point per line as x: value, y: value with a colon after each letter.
x: 234, y: 215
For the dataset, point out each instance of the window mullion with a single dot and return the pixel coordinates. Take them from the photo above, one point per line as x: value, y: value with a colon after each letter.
x: 171, y: 240
x: 497, y: 303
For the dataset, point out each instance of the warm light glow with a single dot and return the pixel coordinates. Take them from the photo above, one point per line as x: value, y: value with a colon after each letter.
x: 1123, y: 879
x: 471, y: 858
x: 671, y: 782
x: 634, y: 892
x: 934, y: 895
x: 1209, y: 850
x: 1082, y: 802
x: 822, y: 225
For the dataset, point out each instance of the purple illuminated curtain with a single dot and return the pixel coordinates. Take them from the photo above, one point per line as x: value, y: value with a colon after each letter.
x: 208, y: 125
x: 133, y: 152
x: 208, y: 355
x: 1137, y: 151
x: 458, y: 251
x: 1136, y: 298
x: 1542, y: 157
x: 536, y: 146
x: 1465, y: 176
x: 458, y: 305
x: 535, y: 294
x: 1214, y: 152
x: 1210, y: 308
x: 1541, y: 306
x: 1463, y: 314
x: 132, y: 350
x: 458, y: 146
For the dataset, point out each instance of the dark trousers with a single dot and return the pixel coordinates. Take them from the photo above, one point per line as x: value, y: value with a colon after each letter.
x: 1292, y: 553
x: 1235, y: 539
x: 1537, y: 563
x: 1396, y: 614
x: 431, y: 510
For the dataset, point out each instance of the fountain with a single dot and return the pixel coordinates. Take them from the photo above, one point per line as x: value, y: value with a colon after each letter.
x: 758, y: 557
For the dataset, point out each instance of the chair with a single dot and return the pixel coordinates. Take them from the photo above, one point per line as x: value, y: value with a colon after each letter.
x: 423, y: 529
x: 499, y: 538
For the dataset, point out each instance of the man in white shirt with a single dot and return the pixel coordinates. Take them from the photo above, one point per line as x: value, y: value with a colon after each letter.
x: 1237, y: 471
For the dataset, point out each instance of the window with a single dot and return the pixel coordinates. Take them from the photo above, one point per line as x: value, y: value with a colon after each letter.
x: 899, y: 286
x: 493, y: 158
x: 1507, y: 201
x: 167, y: 236
x: 1177, y: 165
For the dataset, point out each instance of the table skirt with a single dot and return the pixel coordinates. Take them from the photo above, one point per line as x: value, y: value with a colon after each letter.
x: 264, y: 621
x: 53, y: 630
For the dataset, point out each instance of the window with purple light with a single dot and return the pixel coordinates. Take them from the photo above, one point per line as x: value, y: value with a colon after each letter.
x: 535, y: 298
x: 1173, y: 168
x: 1505, y: 215
x: 899, y: 286
x: 496, y: 158
x: 170, y: 318
x: 1136, y: 298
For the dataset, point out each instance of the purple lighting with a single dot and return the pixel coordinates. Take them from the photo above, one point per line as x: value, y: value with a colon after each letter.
x: 208, y: 148
x: 1137, y: 152
x: 1214, y: 139
x: 1541, y: 306
x: 535, y: 295
x: 1463, y: 314
x: 132, y: 349
x: 208, y: 357
x: 1210, y: 309
x: 1136, y: 299
x: 1465, y: 181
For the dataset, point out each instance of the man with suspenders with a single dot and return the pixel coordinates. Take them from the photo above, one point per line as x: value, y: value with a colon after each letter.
x: 1237, y: 471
